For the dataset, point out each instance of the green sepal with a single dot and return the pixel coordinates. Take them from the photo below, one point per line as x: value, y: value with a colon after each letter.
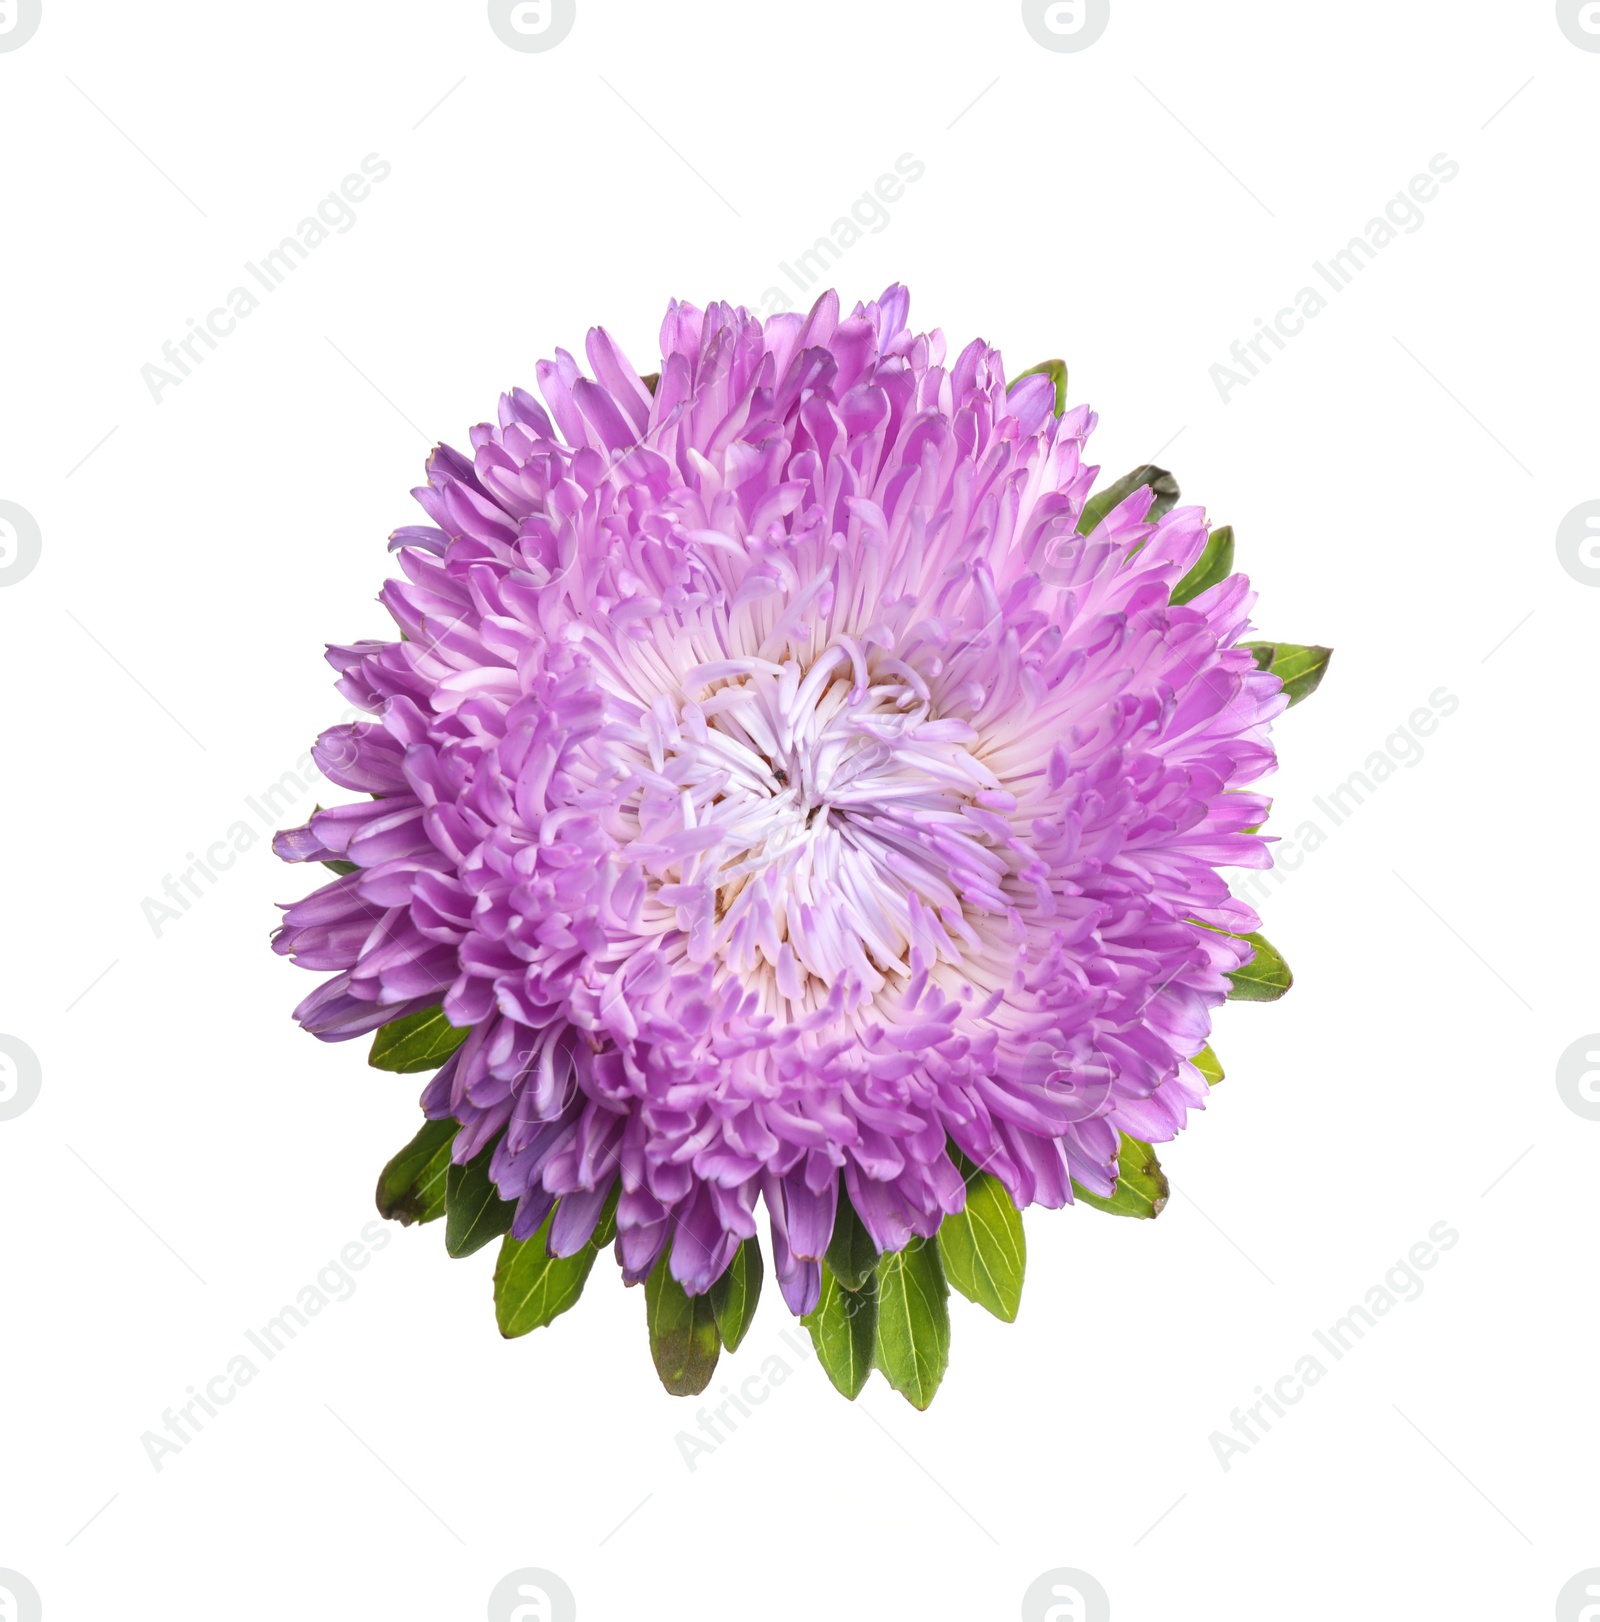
x: 533, y: 1288
x: 913, y: 1340
x: 844, y: 1331
x: 983, y: 1248
x: 1214, y: 564
x: 1056, y: 371
x: 684, y: 1342
x: 420, y: 1041
x: 734, y: 1295
x: 1209, y: 1066
x: 1142, y: 1189
x: 474, y: 1212
x: 341, y: 867
x: 1298, y: 667
x: 411, y: 1188
x: 1265, y: 978
x: 1160, y: 481
x: 851, y: 1253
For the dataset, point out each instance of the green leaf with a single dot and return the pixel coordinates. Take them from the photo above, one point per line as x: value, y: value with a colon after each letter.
x: 1265, y: 978
x: 1056, y: 371
x: 1209, y: 1066
x: 913, y: 1344
x: 1213, y: 564
x: 420, y: 1041
x: 411, y: 1187
x: 1300, y: 668
x: 1162, y: 482
x: 342, y: 867
x: 532, y: 1288
x: 683, y: 1333
x: 844, y: 1330
x: 474, y: 1211
x: 1142, y: 1189
x: 734, y: 1295
x: 983, y: 1249
x: 605, y: 1230
x: 851, y: 1253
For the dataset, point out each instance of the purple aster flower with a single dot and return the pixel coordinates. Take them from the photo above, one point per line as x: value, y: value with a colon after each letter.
x: 782, y: 793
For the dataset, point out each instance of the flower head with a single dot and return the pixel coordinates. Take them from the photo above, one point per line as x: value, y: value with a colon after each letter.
x: 781, y: 791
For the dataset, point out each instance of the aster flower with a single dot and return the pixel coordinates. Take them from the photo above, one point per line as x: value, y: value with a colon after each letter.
x: 793, y: 793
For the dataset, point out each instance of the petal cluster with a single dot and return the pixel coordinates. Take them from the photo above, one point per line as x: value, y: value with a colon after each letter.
x: 781, y: 790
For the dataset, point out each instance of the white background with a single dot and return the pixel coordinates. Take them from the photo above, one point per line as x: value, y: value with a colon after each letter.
x: 1135, y: 208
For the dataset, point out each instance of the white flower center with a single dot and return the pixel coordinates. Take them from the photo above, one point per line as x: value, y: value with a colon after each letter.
x: 820, y: 828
